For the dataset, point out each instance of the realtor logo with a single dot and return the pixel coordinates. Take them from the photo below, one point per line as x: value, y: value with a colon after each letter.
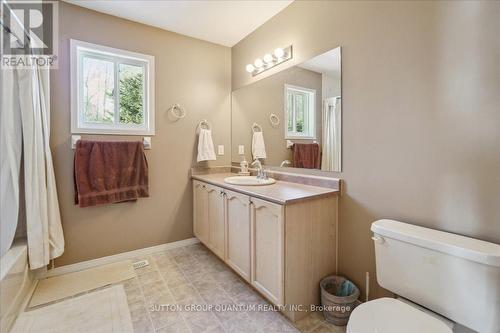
x: 29, y: 34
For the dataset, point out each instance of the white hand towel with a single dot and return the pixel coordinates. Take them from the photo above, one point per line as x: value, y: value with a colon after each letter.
x: 258, y: 146
x: 206, y: 150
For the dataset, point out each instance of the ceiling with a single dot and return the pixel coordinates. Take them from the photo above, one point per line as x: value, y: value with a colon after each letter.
x: 328, y: 62
x: 223, y: 22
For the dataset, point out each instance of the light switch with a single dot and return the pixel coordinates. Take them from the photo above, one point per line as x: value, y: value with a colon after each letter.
x: 241, y: 150
x: 220, y: 149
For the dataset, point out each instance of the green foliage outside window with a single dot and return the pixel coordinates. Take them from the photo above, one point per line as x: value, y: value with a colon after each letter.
x: 131, y: 99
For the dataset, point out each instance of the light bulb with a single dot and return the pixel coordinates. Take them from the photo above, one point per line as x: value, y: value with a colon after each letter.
x: 279, y: 52
x: 258, y: 63
x: 268, y: 58
x: 250, y: 68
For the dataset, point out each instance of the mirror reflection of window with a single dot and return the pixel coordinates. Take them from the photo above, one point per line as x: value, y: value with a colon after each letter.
x: 300, y: 112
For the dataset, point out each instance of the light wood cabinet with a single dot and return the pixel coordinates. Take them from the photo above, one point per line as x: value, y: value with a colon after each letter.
x: 216, y: 220
x: 310, y: 251
x: 238, y: 233
x: 200, y: 207
x: 283, y: 251
x: 268, y: 249
x: 208, y: 217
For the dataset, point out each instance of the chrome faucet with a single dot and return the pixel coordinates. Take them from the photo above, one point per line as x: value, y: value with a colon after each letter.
x: 261, y: 173
x: 285, y: 162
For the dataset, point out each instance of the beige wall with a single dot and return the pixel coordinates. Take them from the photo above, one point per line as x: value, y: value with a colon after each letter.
x: 254, y: 103
x: 421, y: 99
x: 191, y: 72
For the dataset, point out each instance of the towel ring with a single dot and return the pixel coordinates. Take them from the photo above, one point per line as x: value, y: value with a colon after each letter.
x: 202, y: 123
x: 177, y: 111
x: 255, y: 125
x: 274, y: 119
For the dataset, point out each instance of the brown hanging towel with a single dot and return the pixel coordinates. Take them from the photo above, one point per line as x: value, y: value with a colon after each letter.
x: 110, y: 172
x: 306, y: 155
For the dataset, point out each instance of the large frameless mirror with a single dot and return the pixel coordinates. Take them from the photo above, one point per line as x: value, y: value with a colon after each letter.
x: 293, y: 118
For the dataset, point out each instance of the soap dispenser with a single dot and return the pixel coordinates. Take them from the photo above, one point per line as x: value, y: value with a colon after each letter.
x: 244, y: 167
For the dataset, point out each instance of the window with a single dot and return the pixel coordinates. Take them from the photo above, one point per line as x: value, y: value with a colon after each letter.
x: 112, y: 90
x: 300, y: 106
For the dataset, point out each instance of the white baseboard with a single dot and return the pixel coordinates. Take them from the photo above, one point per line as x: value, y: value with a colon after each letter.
x: 117, y: 257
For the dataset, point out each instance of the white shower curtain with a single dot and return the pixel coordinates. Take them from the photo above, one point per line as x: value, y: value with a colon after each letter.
x: 43, y: 220
x: 10, y: 163
x: 331, y: 154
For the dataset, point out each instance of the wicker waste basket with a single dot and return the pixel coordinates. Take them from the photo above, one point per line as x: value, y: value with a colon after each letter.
x: 338, y: 298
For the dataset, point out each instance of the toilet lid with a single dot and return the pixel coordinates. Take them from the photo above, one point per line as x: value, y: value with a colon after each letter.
x: 388, y: 315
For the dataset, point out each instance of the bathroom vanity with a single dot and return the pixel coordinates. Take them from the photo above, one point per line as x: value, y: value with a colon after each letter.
x: 281, y: 238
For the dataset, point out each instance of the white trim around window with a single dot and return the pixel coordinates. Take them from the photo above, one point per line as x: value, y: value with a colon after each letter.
x: 310, y: 122
x: 118, y: 57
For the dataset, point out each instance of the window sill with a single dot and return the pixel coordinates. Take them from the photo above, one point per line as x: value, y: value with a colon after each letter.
x: 300, y: 138
x: 128, y: 132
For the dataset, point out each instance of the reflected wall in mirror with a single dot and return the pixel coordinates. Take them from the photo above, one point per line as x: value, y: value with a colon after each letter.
x: 298, y: 112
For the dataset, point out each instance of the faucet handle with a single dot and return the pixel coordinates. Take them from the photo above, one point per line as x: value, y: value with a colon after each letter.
x: 256, y: 161
x: 285, y: 162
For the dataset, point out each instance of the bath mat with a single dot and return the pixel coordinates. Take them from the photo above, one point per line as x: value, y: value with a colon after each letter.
x: 103, y: 311
x: 67, y: 285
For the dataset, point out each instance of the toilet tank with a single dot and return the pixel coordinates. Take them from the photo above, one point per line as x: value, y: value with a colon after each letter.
x: 455, y: 276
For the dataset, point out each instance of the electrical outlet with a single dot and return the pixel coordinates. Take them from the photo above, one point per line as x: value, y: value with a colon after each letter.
x: 241, y: 150
x: 220, y: 150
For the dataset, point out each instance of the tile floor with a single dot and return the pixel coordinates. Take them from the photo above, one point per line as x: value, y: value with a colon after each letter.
x: 193, y: 275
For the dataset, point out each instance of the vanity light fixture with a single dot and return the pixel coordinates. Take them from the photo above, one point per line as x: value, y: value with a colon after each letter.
x: 250, y: 68
x: 279, y: 53
x: 269, y: 60
x: 258, y: 63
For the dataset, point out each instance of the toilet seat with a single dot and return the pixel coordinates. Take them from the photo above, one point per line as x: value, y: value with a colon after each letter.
x: 389, y: 315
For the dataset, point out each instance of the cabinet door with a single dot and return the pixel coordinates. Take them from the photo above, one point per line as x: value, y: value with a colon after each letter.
x: 216, y: 220
x: 238, y: 233
x: 200, y: 209
x: 268, y: 249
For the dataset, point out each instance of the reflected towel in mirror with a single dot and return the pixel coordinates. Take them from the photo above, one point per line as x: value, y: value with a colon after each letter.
x: 306, y: 155
x: 258, y: 146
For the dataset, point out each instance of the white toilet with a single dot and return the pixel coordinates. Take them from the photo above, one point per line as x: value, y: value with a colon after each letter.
x: 446, y: 283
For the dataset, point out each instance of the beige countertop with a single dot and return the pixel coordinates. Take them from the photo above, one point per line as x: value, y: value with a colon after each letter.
x: 281, y: 192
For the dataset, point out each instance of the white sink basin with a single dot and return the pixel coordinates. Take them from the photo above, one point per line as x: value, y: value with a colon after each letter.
x: 249, y: 181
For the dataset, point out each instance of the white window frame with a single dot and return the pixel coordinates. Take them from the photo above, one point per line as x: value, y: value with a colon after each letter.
x: 312, y: 113
x: 79, y: 48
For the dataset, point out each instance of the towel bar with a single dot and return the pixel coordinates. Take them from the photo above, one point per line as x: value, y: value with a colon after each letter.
x: 145, y: 140
x: 255, y: 125
x: 177, y: 111
x: 274, y: 120
x: 205, y: 123
x: 289, y: 143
